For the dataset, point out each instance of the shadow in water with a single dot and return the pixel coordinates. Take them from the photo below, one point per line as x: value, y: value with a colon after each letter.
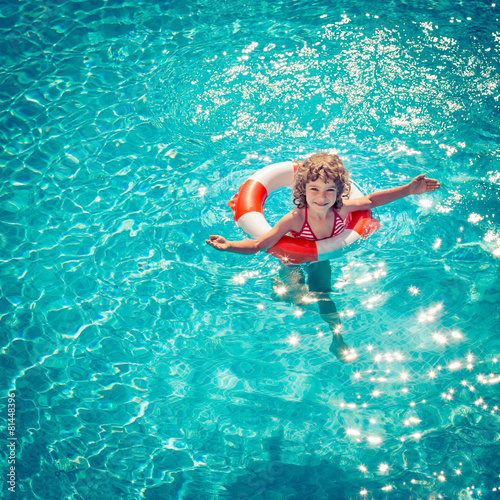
x: 275, y: 479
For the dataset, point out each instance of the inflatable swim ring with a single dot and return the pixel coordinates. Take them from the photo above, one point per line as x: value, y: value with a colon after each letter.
x: 248, y: 212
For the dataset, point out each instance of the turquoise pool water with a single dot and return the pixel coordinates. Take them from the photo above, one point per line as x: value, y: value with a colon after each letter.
x: 143, y: 364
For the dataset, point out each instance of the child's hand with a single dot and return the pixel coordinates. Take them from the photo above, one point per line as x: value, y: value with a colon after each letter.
x: 218, y: 242
x: 421, y: 185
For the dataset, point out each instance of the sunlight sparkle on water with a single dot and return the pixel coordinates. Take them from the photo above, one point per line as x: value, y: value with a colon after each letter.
x: 347, y: 312
x: 475, y: 218
x: 349, y: 354
x: 383, y: 467
x: 490, y: 236
x: 411, y: 420
x: 439, y: 338
x: 308, y: 300
x: 430, y: 314
x: 239, y: 280
x: 364, y: 279
x: 370, y: 302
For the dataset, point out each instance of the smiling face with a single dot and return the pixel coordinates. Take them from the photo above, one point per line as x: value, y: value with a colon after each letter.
x: 319, y: 168
x: 321, y: 195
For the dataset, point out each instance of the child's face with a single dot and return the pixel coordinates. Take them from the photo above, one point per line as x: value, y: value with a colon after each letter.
x: 321, y: 195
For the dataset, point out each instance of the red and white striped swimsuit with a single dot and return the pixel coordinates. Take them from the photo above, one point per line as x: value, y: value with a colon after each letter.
x: 306, y: 233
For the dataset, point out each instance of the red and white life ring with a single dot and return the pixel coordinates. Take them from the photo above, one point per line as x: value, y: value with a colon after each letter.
x: 248, y: 212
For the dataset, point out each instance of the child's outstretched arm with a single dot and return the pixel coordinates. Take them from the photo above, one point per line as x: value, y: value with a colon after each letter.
x: 418, y: 185
x: 268, y: 240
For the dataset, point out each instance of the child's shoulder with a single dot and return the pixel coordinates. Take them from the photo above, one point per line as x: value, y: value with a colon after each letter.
x: 296, y: 218
x: 297, y: 213
x: 293, y: 219
x: 344, y: 210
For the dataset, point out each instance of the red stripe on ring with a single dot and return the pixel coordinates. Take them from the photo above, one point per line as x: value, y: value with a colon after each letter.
x: 294, y: 250
x: 296, y: 165
x: 250, y: 198
x: 362, y: 222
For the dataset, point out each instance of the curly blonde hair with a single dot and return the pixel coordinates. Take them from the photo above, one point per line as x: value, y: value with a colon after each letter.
x: 327, y: 167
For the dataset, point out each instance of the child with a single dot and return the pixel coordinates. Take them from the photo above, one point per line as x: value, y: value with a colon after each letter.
x: 320, y: 192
